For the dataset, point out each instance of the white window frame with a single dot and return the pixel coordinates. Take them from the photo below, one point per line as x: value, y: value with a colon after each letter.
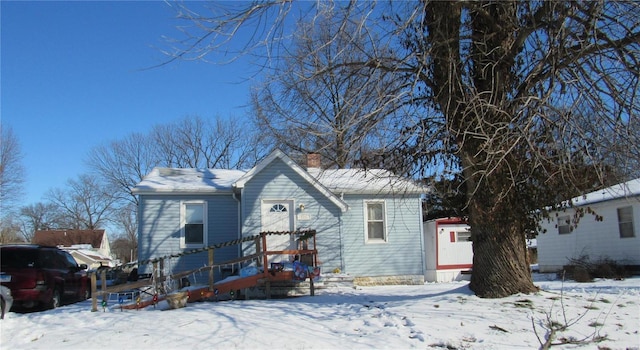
x: 623, y: 225
x: 385, y: 235
x: 183, y: 223
x: 564, y: 224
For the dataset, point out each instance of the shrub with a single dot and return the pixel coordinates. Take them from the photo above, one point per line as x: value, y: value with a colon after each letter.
x: 583, y: 269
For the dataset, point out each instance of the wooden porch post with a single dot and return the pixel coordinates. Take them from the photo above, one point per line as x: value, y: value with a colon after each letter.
x: 94, y: 297
x: 155, y: 276
x: 211, y: 269
x: 258, y: 249
x: 265, y: 267
x: 103, y: 278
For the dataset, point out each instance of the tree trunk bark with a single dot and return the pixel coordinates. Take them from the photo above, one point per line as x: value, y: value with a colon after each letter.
x: 500, y: 266
x: 474, y: 113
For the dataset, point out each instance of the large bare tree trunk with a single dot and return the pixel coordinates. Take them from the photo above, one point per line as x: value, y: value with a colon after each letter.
x: 474, y: 101
x: 500, y: 266
x: 499, y: 260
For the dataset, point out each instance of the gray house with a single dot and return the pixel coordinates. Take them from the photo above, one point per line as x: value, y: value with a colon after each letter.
x: 368, y: 223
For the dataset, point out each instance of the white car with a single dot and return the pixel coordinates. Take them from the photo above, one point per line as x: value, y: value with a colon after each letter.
x: 5, y: 300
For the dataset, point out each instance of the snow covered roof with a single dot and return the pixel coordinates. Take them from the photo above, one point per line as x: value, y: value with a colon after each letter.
x: 330, y: 182
x: 174, y: 180
x: 623, y: 190
x: 89, y: 254
x: 370, y: 181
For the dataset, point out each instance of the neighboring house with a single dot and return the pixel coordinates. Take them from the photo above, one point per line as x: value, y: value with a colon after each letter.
x: 89, y: 247
x: 614, y: 237
x: 449, y: 252
x: 85, y: 254
x: 368, y: 223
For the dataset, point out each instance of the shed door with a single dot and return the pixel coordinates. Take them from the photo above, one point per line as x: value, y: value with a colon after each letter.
x: 277, y: 216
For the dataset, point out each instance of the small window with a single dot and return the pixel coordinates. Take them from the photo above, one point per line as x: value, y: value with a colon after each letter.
x: 375, y: 222
x: 278, y: 208
x: 194, y: 224
x: 625, y: 222
x: 464, y: 236
x: 564, y: 225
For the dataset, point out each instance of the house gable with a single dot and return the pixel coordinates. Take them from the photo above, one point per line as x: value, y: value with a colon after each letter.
x: 279, y: 155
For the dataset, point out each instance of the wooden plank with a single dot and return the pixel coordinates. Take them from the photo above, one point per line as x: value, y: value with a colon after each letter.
x: 291, y: 252
x: 94, y: 297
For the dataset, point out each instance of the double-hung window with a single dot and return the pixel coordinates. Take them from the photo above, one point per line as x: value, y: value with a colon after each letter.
x: 375, y: 223
x: 193, y: 215
x: 625, y: 222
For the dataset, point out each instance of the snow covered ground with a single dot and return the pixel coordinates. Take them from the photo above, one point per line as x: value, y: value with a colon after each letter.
x: 434, y: 315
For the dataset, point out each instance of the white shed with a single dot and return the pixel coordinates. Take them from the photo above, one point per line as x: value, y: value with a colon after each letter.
x: 448, y: 250
x: 615, y: 237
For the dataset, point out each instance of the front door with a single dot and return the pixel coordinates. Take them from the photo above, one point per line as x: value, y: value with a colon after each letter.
x: 277, y: 216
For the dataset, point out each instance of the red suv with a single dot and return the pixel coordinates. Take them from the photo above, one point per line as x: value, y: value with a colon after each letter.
x: 42, y: 276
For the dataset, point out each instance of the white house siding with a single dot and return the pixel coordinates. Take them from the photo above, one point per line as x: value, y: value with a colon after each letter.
x: 159, y: 233
x: 430, y: 244
x: 401, y: 255
x: 596, y: 239
x: 279, y: 181
x: 446, y: 260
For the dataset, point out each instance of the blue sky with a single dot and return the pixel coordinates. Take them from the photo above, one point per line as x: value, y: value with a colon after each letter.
x: 73, y: 76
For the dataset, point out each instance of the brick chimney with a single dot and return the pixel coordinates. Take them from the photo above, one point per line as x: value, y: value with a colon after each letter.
x: 313, y: 160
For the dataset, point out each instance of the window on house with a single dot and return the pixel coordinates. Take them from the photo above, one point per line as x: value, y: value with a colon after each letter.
x: 464, y: 236
x: 194, y: 224
x: 278, y: 208
x: 564, y: 225
x: 375, y: 222
x: 625, y: 222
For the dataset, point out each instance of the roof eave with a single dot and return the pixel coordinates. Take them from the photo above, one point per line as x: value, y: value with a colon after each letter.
x: 173, y: 191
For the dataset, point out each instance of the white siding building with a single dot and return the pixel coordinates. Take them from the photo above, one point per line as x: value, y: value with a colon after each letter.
x: 612, y: 233
x: 448, y: 250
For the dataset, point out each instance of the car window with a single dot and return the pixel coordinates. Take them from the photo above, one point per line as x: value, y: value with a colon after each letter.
x: 70, y: 262
x: 48, y: 259
x: 18, y: 258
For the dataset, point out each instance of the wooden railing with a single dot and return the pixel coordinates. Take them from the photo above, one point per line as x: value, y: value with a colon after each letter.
x: 261, y: 256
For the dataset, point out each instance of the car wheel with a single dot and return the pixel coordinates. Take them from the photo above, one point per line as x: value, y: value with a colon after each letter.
x: 87, y: 294
x: 55, y: 299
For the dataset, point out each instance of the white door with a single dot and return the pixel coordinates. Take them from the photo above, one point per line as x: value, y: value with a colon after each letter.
x: 277, y: 216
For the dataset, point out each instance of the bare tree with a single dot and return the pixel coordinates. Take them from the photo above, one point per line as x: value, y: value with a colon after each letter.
x: 11, y: 169
x: 85, y: 203
x: 193, y: 142
x: 502, y: 91
x: 9, y: 230
x: 316, y: 102
x: 507, y: 79
x: 40, y: 216
x: 125, y: 246
x: 123, y: 163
